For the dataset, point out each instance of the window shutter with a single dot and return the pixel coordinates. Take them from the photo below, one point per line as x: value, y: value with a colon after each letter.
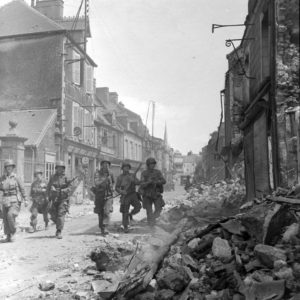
x: 89, y: 79
x: 76, y: 68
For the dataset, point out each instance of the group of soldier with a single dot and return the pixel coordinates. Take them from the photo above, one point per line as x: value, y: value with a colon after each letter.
x: 53, y: 197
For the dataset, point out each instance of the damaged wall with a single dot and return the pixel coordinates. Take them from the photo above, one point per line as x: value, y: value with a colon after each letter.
x: 287, y: 89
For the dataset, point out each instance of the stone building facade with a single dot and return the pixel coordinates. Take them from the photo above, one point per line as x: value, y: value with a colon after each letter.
x: 265, y: 102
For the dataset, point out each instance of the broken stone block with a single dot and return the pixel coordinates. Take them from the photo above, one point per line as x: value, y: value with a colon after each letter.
x: 189, y: 262
x: 290, y: 232
x: 279, y: 264
x: 100, y: 285
x: 268, y: 254
x: 265, y: 222
x: 46, y: 285
x: 285, y: 273
x: 266, y: 290
x: 234, y: 227
x: 81, y: 295
x: 173, y: 279
x: 64, y: 288
x: 252, y: 265
x: 193, y: 243
x: 296, y: 270
x: 164, y: 295
x: 261, y: 276
x: 221, y: 248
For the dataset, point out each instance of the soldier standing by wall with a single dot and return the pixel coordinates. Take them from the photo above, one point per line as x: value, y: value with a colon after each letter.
x: 13, y: 194
x: 151, y: 188
x: 125, y: 186
x: 103, y: 189
x: 40, y: 203
x: 58, y: 190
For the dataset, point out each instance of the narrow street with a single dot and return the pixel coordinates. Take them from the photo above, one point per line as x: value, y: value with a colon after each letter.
x: 40, y: 256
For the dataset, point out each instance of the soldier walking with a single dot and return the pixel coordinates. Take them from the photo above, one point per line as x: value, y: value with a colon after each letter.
x: 13, y: 195
x: 151, y: 188
x: 126, y: 186
x: 103, y: 190
x: 58, y: 190
x: 40, y: 203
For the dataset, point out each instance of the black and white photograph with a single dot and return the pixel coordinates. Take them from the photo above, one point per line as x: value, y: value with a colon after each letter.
x: 149, y: 150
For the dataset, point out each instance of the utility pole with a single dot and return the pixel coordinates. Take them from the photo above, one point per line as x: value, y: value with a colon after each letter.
x: 153, y: 116
x: 86, y: 12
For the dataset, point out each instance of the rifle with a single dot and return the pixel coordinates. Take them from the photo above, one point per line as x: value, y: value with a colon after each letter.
x: 134, y: 175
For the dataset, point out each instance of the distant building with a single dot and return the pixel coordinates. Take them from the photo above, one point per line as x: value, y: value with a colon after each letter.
x: 190, y: 162
x: 178, y: 163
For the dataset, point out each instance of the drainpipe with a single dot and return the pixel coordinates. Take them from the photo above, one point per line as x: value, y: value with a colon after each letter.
x: 32, y: 162
x: 273, y: 52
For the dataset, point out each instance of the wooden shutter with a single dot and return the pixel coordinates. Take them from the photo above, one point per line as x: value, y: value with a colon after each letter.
x: 76, y: 68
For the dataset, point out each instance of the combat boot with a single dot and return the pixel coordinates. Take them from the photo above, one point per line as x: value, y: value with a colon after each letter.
x: 32, y: 229
x: 103, y: 231
x: 8, y: 237
x: 46, y: 225
x: 126, y: 229
x: 58, y: 234
x: 12, y: 238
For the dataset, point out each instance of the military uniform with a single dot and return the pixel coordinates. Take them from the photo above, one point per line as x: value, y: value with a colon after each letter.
x: 151, y: 188
x: 125, y: 186
x: 58, y: 192
x: 13, y: 195
x: 40, y: 203
x: 103, y: 189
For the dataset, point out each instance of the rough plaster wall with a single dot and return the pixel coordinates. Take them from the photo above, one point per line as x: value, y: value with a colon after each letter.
x: 288, y: 91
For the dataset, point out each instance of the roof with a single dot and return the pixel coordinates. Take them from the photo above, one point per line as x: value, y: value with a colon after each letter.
x: 67, y: 23
x: 32, y: 124
x: 18, y: 18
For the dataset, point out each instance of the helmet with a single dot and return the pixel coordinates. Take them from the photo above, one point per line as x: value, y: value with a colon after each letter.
x: 38, y: 171
x: 60, y: 163
x: 150, y: 161
x: 9, y: 162
x: 125, y: 164
x: 105, y: 161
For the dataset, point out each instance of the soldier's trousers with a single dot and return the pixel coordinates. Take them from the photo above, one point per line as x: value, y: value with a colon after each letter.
x: 58, y: 213
x: 35, y: 210
x: 9, y: 217
x: 148, y: 205
x: 126, y: 201
x: 101, y: 209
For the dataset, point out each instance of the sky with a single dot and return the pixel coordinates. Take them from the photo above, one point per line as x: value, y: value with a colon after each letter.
x: 164, y: 51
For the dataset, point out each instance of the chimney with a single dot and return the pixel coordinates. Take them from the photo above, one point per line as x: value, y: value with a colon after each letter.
x: 113, y: 97
x: 53, y: 9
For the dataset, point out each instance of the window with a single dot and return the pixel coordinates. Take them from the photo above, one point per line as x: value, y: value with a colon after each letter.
x: 49, y: 170
x: 126, y: 154
x: 104, y: 137
x: 76, y: 70
x: 88, y: 128
x: 89, y: 79
x: 265, y: 46
x: 131, y: 150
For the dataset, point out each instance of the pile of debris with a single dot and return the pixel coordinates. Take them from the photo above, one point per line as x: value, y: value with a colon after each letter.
x: 254, y: 255
x: 212, y: 200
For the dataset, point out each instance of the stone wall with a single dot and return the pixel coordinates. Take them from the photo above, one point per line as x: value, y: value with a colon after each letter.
x: 287, y: 89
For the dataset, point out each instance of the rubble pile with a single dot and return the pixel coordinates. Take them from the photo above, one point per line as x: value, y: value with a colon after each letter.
x: 252, y: 256
x: 212, y: 199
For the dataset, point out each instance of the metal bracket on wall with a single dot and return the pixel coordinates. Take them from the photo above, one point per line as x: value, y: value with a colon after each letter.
x: 216, y: 26
x: 71, y: 61
x: 230, y: 42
